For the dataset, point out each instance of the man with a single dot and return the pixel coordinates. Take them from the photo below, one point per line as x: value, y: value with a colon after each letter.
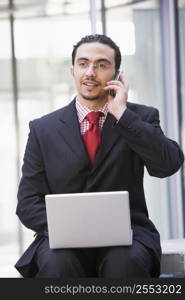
x: 99, y: 142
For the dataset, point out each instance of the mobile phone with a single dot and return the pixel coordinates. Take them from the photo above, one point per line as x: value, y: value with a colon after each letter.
x: 116, y: 77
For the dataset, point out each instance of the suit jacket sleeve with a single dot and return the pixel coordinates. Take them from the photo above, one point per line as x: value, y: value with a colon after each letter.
x: 162, y: 156
x: 33, y: 187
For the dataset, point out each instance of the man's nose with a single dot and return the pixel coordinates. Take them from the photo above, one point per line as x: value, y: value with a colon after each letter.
x: 90, y: 70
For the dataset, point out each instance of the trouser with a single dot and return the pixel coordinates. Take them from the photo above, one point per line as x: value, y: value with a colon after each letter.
x: 134, y: 261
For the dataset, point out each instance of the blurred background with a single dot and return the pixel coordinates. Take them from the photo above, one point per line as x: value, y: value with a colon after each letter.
x: 36, y: 41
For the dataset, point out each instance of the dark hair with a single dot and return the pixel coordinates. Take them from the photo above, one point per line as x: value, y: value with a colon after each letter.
x: 100, y: 38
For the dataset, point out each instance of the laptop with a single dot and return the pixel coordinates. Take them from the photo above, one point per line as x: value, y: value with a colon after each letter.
x: 88, y: 219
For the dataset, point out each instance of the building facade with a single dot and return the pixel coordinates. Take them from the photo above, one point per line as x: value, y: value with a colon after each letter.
x: 36, y: 41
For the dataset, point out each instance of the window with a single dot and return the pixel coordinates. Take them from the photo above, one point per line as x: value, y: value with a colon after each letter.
x: 136, y: 29
x: 181, y: 10
x: 8, y: 159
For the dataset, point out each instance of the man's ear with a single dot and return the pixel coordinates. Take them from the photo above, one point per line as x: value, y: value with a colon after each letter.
x: 72, y: 71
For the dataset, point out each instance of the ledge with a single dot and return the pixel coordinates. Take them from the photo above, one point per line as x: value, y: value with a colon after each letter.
x: 173, y: 258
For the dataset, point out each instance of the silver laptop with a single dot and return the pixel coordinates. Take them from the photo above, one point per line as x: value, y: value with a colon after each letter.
x: 88, y: 219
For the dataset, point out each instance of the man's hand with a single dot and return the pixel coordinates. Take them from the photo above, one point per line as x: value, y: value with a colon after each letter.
x: 118, y: 103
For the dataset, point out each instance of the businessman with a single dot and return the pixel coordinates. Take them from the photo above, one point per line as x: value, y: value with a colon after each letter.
x: 99, y: 142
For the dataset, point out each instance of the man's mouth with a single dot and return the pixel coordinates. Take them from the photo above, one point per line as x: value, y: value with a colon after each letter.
x: 90, y: 83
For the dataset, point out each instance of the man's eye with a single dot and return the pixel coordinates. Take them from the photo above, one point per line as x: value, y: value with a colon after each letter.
x: 102, y: 66
x: 82, y: 64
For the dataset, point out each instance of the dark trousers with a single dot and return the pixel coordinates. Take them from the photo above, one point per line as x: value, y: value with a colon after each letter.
x: 134, y: 261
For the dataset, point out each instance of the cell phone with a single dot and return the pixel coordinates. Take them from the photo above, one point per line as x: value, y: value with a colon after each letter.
x: 116, y: 77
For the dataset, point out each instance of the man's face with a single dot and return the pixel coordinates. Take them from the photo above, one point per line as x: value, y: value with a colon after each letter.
x: 94, y: 65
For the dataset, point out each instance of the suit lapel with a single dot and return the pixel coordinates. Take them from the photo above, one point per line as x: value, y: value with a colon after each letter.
x: 70, y: 131
x: 109, y: 137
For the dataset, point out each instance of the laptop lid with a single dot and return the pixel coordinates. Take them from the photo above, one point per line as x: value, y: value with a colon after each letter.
x: 88, y: 219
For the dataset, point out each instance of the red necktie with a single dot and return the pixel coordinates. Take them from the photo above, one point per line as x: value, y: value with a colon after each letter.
x: 92, y: 137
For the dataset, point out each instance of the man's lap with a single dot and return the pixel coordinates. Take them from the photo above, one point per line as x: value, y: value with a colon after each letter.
x: 117, y: 261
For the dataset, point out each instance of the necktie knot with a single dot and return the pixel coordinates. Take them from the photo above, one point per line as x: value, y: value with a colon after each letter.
x: 93, y: 117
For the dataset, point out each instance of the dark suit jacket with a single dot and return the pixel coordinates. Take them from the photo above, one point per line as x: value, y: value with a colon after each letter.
x: 55, y: 161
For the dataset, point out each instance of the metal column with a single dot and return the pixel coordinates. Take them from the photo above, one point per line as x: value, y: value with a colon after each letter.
x: 93, y: 13
x: 103, y: 16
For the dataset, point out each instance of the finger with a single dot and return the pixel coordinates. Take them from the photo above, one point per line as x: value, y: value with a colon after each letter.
x: 116, y: 82
x: 111, y: 87
x: 122, y: 78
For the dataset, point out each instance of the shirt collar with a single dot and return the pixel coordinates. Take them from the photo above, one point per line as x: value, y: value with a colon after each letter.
x: 83, y: 110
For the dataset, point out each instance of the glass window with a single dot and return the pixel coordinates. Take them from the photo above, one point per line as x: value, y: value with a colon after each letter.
x: 45, y: 32
x: 136, y: 29
x: 181, y: 6
x: 8, y: 159
x: 43, y: 46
